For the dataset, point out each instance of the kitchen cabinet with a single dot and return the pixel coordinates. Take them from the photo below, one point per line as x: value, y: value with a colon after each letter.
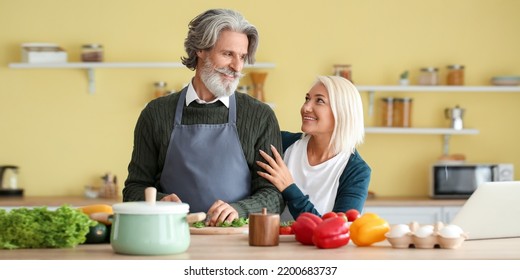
x: 449, y: 212
x: 424, y: 215
x: 92, y: 66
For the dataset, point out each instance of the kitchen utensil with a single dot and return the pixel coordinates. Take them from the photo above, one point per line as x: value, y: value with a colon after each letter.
x: 150, y: 227
x: 455, y: 116
x: 264, y: 229
x: 9, y: 181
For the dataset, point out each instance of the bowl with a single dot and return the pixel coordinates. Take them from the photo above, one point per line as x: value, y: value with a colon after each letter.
x: 505, y: 80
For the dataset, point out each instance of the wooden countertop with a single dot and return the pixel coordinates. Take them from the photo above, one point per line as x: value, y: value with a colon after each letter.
x: 53, y: 201
x: 236, y: 247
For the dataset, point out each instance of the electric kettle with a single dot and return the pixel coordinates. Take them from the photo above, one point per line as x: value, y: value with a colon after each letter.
x: 9, y: 181
x: 455, y: 116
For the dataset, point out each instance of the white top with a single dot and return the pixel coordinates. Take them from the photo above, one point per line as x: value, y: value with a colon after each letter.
x: 320, y: 182
x: 191, y: 96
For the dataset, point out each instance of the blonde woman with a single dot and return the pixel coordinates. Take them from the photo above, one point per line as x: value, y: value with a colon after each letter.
x: 321, y: 170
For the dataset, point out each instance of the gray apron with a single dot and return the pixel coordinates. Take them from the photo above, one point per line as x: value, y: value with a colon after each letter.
x: 205, y: 162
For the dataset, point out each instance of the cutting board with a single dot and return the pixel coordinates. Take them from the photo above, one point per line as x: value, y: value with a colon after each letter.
x: 219, y: 230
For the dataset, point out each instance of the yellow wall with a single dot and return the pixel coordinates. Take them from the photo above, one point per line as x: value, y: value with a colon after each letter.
x: 63, y: 138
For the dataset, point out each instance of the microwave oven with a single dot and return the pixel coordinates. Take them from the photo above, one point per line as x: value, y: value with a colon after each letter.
x: 450, y: 180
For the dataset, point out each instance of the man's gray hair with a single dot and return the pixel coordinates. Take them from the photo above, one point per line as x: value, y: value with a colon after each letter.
x: 205, y: 29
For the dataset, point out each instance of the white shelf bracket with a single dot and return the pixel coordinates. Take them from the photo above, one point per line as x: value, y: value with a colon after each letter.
x: 91, y: 80
x: 371, y: 96
x: 446, y: 145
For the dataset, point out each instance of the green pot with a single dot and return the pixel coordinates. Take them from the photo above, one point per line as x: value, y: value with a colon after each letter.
x: 141, y: 228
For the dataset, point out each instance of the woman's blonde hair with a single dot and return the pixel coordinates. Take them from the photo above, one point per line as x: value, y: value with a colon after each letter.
x: 347, y: 108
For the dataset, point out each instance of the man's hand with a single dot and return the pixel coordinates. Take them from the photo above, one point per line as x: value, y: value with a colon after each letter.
x: 172, y: 197
x: 219, y: 212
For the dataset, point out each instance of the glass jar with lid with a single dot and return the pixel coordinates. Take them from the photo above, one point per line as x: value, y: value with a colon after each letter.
x: 160, y: 89
x: 92, y: 53
x: 455, y: 75
x: 387, y: 111
x: 402, y: 112
x: 429, y: 76
x: 343, y: 70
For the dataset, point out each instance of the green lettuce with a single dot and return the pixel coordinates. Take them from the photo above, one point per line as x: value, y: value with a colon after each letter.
x: 39, y: 227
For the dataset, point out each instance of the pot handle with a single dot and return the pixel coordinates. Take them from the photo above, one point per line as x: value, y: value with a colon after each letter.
x: 195, y: 217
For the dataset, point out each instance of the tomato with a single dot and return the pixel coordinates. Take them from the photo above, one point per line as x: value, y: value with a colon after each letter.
x: 352, y: 214
x: 286, y: 230
x: 329, y: 215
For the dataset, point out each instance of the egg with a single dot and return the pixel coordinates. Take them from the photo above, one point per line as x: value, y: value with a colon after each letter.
x: 398, y: 231
x: 451, y: 231
x: 424, y: 231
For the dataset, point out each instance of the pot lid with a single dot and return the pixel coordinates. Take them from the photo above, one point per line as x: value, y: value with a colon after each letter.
x: 146, y: 208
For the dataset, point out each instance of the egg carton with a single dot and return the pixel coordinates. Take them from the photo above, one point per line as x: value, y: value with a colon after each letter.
x: 426, y: 236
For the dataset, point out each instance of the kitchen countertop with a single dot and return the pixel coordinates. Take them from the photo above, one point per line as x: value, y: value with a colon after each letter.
x: 236, y: 247
x: 53, y: 201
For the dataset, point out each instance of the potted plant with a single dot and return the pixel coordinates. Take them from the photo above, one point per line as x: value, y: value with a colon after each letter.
x: 403, y: 79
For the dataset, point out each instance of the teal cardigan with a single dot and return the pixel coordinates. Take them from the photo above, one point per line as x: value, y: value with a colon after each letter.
x: 352, y: 190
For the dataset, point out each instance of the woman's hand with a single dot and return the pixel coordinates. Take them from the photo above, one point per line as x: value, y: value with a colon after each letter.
x: 276, y: 171
x: 219, y: 212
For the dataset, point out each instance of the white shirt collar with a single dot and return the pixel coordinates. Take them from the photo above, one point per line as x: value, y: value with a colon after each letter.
x: 191, y: 96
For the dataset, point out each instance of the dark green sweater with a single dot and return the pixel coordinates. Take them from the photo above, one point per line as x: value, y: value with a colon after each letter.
x: 257, y: 129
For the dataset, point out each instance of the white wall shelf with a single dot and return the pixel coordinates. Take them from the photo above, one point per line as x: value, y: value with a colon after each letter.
x: 91, y: 66
x: 445, y: 132
x: 372, y: 89
x: 439, y: 88
x: 415, y: 130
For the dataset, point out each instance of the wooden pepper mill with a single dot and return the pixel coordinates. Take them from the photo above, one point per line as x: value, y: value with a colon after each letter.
x: 264, y: 229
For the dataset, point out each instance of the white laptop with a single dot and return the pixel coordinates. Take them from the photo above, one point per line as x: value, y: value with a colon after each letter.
x: 492, y: 211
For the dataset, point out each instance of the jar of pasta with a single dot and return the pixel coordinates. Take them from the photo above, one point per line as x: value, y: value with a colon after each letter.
x: 343, y: 70
x: 387, y: 111
x: 455, y: 75
x: 429, y: 76
x: 92, y: 53
x: 402, y: 112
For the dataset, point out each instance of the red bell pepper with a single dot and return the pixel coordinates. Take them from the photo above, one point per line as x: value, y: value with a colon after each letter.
x: 304, y: 227
x: 332, y: 233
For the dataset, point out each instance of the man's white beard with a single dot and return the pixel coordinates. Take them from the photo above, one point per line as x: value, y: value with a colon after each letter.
x: 211, y: 78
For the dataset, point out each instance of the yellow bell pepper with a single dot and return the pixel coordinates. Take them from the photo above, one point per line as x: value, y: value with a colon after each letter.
x: 368, y: 229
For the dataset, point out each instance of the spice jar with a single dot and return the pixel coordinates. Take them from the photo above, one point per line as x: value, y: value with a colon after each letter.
x: 429, y: 76
x: 92, y: 53
x: 387, y: 111
x: 160, y: 89
x: 455, y: 75
x: 343, y: 70
x: 402, y: 112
